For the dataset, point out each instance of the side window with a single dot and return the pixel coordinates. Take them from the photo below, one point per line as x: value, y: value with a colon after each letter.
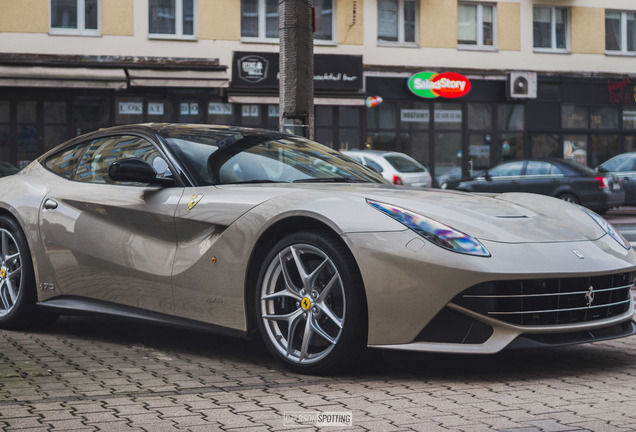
x: 538, y: 168
x: 507, y: 170
x: 373, y: 164
x: 64, y: 162
x: 102, y: 152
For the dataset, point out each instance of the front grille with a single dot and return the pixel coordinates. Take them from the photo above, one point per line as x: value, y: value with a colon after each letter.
x: 550, y: 301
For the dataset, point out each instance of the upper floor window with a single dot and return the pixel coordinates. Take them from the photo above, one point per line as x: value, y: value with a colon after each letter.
x: 620, y: 32
x: 550, y: 28
x: 397, y: 21
x: 172, y: 18
x: 476, y: 25
x: 259, y: 20
x: 75, y: 17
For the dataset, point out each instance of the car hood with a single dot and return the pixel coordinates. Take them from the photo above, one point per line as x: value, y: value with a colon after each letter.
x: 508, y: 218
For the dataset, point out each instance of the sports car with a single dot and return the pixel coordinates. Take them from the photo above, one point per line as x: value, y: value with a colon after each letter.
x: 257, y: 233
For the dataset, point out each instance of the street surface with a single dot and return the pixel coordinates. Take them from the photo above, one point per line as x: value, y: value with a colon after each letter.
x: 97, y: 374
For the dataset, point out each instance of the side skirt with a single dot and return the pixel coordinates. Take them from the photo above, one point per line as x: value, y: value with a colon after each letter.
x: 75, y: 305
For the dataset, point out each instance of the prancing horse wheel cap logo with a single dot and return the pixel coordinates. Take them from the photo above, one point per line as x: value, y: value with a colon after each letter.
x: 306, y: 303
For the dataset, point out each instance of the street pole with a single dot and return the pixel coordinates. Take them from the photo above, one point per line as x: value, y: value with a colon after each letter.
x: 296, y: 88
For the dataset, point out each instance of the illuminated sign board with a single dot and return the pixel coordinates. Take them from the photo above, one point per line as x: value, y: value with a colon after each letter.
x: 433, y: 85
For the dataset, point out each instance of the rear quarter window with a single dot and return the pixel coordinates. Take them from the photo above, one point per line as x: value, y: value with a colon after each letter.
x: 404, y: 165
x: 63, y: 163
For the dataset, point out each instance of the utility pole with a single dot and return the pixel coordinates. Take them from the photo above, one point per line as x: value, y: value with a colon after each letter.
x: 296, y: 88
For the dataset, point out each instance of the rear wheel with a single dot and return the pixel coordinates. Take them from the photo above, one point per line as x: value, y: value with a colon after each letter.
x: 17, y: 284
x: 310, y: 303
x: 569, y: 197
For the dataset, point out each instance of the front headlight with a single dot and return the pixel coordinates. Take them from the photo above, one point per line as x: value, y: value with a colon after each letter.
x: 608, y: 228
x: 433, y: 231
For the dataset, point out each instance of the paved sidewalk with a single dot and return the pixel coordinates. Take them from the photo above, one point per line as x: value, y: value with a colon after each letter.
x: 94, y: 374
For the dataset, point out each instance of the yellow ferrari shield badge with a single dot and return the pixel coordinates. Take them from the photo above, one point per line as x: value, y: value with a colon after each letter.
x: 194, y: 200
x: 305, y: 303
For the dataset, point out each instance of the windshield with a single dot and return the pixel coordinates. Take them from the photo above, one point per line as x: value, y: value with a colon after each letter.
x: 231, y: 156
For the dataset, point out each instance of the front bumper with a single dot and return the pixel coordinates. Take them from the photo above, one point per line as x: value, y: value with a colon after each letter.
x: 409, y: 281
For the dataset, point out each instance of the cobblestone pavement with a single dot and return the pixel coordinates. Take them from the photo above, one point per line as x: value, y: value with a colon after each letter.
x: 94, y: 374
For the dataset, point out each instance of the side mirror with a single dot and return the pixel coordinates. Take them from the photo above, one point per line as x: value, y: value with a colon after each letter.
x: 487, y: 176
x: 138, y: 171
x: 602, y: 169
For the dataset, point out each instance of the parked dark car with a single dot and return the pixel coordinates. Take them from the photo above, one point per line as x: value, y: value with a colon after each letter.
x: 7, y: 169
x: 560, y: 178
x: 624, y: 167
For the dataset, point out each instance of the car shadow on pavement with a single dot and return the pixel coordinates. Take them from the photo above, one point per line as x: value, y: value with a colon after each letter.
x: 211, y: 350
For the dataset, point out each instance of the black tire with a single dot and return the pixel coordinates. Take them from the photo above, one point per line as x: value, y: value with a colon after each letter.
x: 569, y: 197
x: 324, y: 316
x: 18, y: 293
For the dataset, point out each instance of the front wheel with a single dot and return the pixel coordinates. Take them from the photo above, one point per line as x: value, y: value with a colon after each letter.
x: 310, y: 303
x: 17, y: 283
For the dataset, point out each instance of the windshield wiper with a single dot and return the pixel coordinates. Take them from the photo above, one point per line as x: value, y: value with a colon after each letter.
x: 330, y: 180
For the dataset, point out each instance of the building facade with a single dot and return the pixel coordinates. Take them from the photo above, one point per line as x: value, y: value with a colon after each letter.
x: 546, y: 77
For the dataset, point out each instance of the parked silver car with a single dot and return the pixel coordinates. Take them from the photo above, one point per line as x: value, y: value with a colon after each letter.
x: 398, y: 168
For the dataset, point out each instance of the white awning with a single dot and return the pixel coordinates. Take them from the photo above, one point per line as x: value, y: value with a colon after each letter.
x: 177, y: 78
x: 274, y: 100
x: 41, y: 76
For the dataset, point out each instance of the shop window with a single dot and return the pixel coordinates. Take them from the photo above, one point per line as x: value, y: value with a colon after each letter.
x: 160, y: 111
x: 250, y: 115
x: 129, y: 110
x: 574, y: 116
x: 603, y: 147
x: 172, y: 18
x: 629, y: 119
x: 550, y: 28
x: 604, y: 117
x: 510, y: 117
x: 273, y: 117
x: 479, y: 150
x: 575, y: 148
x: 5, y: 150
x: 448, y: 116
x: 511, y: 146
x: 545, y: 146
x: 28, y: 142
x: 620, y: 32
x: 475, y: 25
x: 76, y: 17
x: 382, y: 116
x: 479, y: 116
x: 55, y: 124
x: 259, y: 20
x: 220, y: 113
x: 190, y: 112
x: 417, y: 145
x: 448, y: 156
x: 630, y: 143
x: 397, y: 21
x: 90, y: 113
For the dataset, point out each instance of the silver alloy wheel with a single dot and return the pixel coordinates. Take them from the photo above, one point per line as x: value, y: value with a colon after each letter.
x: 303, y: 304
x: 10, y: 271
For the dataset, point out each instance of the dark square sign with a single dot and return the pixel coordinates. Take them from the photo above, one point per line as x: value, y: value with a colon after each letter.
x: 331, y: 71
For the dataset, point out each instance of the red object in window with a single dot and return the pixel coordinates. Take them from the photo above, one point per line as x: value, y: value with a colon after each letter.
x: 313, y: 18
x: 397, y: 180
x: 602, y: 182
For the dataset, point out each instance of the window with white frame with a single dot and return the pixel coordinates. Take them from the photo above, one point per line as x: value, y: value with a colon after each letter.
x: 172, y: 18
x: 620, y: 32
x: 476, y: 25
x: 259, y: 20
x: 77, y: 17
x: 397, y: 21
x: 550, y: 28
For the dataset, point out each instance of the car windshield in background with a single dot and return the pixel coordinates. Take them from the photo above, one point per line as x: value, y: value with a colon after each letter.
x: 230, y: 157
x: 403, y: 164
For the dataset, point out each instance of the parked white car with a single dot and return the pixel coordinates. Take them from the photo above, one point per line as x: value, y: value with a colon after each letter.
x: 398, y: 168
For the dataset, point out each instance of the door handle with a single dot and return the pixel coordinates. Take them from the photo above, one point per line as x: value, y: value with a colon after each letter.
x: 50, y: 204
